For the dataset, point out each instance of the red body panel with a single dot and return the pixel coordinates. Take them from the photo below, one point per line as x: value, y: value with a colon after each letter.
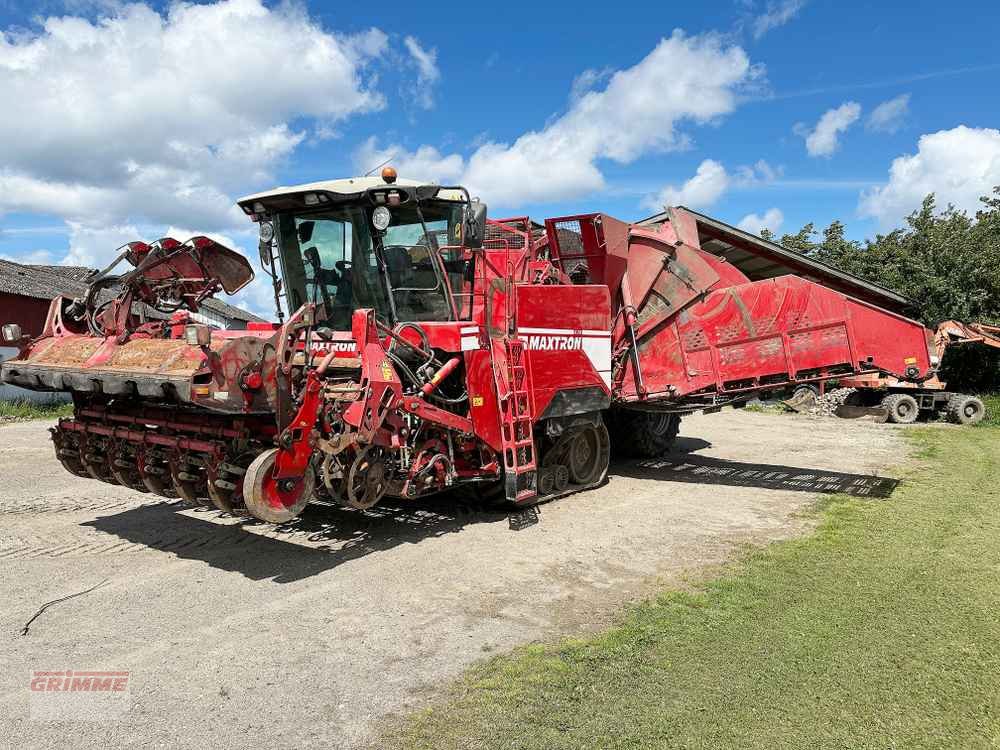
x: 567, y: 335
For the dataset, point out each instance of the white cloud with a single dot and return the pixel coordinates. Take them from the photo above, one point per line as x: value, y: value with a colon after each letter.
x: 888, y: 116
x: 957, y: 165
x: 138, y: 117
x: 39, y: 257
x: 754, y: 223
x: 427, y: 72
x: 95, y: 246
x: 822, y: 140
x: 707, y: 185
x: 587, y: 80
x: 426, y: 163
x: 777, y: 14
x: 684, y: 79
x: 760, y: 172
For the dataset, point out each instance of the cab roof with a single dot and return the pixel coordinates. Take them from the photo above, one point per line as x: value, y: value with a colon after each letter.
x: 345, y: 187
x: 340, y: 190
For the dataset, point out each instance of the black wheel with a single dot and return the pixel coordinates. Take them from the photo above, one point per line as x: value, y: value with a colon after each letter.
x: 225, y: 482
x: 805, y: 392
x: 640, y: 434
x: 560, y: 477
x: 188, y: 481
x: 588, y: 455
x: 367, y: 480
x: 963, y: 409
x: 902, y: 408
x: 546, y: 481
x: 68, y: 453
x: 154, y: 467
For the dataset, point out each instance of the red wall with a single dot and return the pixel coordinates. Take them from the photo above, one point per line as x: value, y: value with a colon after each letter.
x: 28, y: 312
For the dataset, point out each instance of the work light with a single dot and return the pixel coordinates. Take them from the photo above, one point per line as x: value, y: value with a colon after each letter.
x: 11, y: 333
x: 381, y: 218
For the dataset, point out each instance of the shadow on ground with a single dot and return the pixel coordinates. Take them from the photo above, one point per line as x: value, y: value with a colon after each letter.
x: 322, y: 538
x: 328, y: 535
x: 705, y: 470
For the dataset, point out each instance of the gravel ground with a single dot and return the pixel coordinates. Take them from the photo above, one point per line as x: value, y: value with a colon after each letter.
x: 234, y: 632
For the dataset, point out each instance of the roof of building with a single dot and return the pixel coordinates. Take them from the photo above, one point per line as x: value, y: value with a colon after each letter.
x: 77, y: 273
x: 231, y: 311
x: 38, y: 282
x: 46, y: 282
x: 760, y: 259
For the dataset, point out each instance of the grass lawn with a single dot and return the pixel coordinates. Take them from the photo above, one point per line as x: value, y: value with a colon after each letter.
x: 880, y: 630
x: 19, y: 410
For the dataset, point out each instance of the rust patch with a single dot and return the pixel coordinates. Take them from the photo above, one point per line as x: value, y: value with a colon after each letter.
x: 156, y: 355
x: 70, y: 351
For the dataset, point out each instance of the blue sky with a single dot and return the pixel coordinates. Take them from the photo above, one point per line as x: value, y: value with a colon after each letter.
x: 126, y: 121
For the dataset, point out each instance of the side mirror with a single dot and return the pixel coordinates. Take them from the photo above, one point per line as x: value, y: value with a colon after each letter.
x: 305, y: 231
x: 475, y: 225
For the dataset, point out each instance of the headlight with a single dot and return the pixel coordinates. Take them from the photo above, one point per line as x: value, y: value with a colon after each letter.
x: 266, y: 231
x: 197, y: 335
x: 11, y: 333
x: 381, y: 218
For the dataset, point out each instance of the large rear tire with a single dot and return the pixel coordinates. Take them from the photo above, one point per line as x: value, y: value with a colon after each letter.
x: 963, y: 409
x: 902, y: 408
x: 641, y: 434
x: 268, y: 499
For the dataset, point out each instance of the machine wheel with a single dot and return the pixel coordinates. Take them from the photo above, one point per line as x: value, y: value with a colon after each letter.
x: 191, y: 491
x: 68, y: 453
x: 560, y: 477
x: 266, y: 499
x: 546, y: 481
x: 902, y: 408
x: 963, y: 409
x: 588, y: 455
x: 124, y: 466
x: 805, y: 391
x: 641, y: 434
x: 366, y: 480
x: 154, y: 469
x: 225, y: 498
x: 94, y: 457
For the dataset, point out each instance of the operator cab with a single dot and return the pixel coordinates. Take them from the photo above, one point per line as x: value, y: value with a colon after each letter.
x: 397, y: 246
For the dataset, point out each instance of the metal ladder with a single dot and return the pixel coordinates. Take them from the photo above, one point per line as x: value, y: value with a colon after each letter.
x: 516, y: 438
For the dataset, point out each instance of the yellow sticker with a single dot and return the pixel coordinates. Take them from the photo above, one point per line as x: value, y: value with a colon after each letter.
x: 386, y: 370
x: 910, y: 361
x: 477, y: 400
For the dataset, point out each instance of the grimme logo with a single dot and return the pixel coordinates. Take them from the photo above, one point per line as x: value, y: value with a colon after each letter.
x: 85, y: 682
x: 79, y: 694
x: 554, y: 343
